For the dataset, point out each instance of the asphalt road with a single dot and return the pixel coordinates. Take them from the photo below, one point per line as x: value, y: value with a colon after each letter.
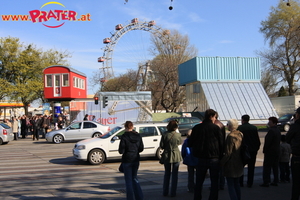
x: 39, y: 170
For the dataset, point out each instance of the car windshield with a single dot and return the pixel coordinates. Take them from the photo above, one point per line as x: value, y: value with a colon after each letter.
x: 110, y: 133
x: 286, y: 117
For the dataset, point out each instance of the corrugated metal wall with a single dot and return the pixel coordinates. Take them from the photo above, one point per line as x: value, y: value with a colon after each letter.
x: 219, y: 69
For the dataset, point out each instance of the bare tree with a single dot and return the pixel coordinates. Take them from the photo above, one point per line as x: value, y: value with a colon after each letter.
x: 124, y: 82
x: 269, y: 82
x: 169, y: 50
x: 282, y: 31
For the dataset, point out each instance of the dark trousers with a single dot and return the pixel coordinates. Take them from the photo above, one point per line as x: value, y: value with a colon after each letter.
x: 24, y: 131
x: 15, y: 136
x: 133, y: 188
x: 221, y: 179
x: 35, y: 134
x: 191, y: 178
x: 234, y: 189
x: 251, y: 168
x: 284, y: 168
x: 213, y: 165
x: 271, y: 162
x: 295, y: 166
x: 170, y: 167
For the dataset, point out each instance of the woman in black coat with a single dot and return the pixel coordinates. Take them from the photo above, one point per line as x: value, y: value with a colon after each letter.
x: 131, y: 145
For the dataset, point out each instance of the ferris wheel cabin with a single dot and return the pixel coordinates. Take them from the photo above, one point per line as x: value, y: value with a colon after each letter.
x: 101, y: 59
x: 106, y: 40
x: 119, y: 27
x: 135, y: 21
x: 63, y: 83
x: 151, y: 23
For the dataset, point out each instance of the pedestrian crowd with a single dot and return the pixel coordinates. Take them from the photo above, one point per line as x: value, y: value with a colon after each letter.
x: 208, y: 151
x: 37, y: 125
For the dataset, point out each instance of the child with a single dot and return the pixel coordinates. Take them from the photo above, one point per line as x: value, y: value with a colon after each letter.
x: 190, y: 161
x: 284, y: 160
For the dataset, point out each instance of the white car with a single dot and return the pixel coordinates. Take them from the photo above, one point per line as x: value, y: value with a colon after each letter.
x: 6, y: 134
x: 97, y: 150
x: 77, y: 131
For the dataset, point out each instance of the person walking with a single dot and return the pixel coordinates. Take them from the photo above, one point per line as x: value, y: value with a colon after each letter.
x: 251, y: 139
x: 35, y: 128
x: 271, y: 152
x: 15, y: 126
x: 130, y: 146
x: 284, y: 160
x: 207, y: 143
x: 233, y: 167
x: 19, y: 126
x: 24, y: 126
x: 46, y: 125
x: 169, y: 142
x: 190, y: 161
x: 60, y: 122
x: 293, y: 138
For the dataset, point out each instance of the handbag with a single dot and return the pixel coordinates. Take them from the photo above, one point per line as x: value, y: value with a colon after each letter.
x: 121, y: 168
x: 245, y: 154
x: 162, y: 157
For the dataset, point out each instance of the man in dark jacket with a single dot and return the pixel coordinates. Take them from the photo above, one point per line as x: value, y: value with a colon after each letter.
x: 207, y: 143
x: 271, y: 152
x: 251, y: 139
x: 293, y: 138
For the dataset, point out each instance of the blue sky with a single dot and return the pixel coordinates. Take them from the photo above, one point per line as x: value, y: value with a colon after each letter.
x: 215, y: 28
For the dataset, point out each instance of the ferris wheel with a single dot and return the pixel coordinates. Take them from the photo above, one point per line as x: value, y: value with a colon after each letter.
x: 111, y: 52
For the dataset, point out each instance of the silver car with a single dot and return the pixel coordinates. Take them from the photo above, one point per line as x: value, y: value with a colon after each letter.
x: 6, y: 134
x: 77, y: 131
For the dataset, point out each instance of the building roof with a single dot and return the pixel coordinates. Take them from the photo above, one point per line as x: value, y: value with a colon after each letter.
x: 69, y: 68
x: 233, y: 99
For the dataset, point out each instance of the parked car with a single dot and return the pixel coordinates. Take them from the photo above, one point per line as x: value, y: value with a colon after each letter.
x: 97, y: 150
x: 285, y: 121
x: 185, y: 123
x: 6, y: 134
x: 77, y: 131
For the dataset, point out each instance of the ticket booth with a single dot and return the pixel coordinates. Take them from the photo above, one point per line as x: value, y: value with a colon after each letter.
x: 63, y: 83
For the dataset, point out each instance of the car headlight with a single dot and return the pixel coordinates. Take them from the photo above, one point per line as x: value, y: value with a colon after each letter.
x: 80, y: 147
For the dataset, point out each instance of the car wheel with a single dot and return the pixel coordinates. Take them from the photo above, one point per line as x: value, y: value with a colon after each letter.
x: 286, y: 127
x: 96, y: 157
x: 159, y: 152
x: 97, y: 134
x: 1, y: 141
x: 58, y: 139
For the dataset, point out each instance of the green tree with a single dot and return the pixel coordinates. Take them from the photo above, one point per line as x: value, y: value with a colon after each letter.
x: 22, y: 67
x: 282, y: 31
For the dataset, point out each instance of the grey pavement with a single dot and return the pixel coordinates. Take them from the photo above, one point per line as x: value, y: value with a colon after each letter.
x: 37, y: 170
